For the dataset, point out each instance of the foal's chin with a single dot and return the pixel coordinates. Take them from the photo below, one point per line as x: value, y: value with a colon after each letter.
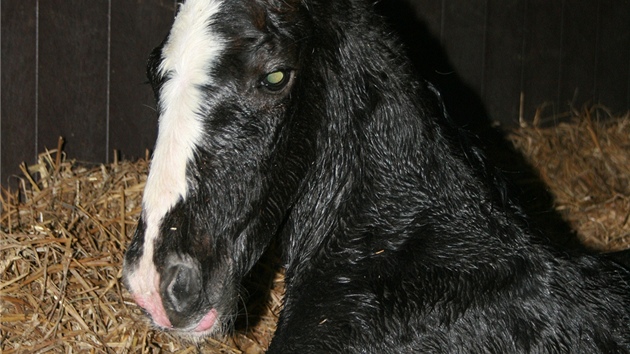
x: 210, y: 324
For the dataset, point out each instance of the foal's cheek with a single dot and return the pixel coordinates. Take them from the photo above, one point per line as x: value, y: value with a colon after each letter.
x: 134, y: 251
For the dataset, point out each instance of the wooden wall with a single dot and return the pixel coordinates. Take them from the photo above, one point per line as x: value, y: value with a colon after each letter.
x: 492, y: 58
x: 75, y: 68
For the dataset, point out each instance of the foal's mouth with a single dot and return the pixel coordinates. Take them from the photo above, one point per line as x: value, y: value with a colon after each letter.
x: 205, y: 326
x: 207, y: 323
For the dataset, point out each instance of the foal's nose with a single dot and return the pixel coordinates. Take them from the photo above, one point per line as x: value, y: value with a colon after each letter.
x: 181, y: 289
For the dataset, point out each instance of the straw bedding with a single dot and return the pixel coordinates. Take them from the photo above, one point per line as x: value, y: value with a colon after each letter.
x: 62, y: 242
x: 585, y: 162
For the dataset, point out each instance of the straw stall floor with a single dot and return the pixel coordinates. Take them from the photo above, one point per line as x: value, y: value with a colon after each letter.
x: 62, y: 243
x: 585, y: 163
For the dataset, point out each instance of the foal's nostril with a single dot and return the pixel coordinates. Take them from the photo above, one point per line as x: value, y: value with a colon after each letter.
x: 184, y: 287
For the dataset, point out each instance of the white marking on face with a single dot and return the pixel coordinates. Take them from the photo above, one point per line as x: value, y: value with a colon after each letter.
x: 188, y: 57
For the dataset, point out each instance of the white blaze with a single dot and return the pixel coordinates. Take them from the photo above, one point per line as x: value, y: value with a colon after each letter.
x: 188, y: 58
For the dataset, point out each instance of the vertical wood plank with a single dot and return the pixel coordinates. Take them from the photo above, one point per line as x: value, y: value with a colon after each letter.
x: 430, y: 13
x: 417, y: 23
x: 73, y: 76
x: 612, y: 75
x: 17, y: 61
x: 504, y: 45
x: 434, y: 31
x: 541, y: 60
x: 463, y: 37
x: 579, y: 38
x: 137, y: 27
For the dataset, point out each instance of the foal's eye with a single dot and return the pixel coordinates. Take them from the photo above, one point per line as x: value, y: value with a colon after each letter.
x: 277, y: 80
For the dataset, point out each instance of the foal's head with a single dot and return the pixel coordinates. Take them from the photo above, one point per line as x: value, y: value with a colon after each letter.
x: 231, y: 149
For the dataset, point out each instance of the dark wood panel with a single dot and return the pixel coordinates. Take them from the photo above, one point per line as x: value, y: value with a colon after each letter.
x: 579, y: 38
x: 463, y: 26
x: 137, y: 27
x: 504, y: 64
x: 612, y: 77
x: 17, y: 118
x: 463, y: 36
x: 541, y: 59
x: 430, y: 12
x: 417, y: 23
x: 421, y: 24
x: 73, y: 66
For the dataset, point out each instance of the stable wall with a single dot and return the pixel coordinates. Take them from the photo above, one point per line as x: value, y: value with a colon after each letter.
x: 75, y: 68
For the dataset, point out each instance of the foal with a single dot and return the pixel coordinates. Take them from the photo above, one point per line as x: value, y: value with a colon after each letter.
x: 301, y: 120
